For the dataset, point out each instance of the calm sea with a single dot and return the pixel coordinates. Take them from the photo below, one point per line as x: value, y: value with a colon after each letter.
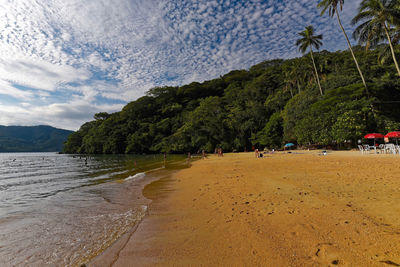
x: 61, y: 210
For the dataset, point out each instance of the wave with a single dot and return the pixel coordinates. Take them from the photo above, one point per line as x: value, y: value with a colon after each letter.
x: 137, y: 176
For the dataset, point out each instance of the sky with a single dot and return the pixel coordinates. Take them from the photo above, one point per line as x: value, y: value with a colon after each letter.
x: 62, y: 61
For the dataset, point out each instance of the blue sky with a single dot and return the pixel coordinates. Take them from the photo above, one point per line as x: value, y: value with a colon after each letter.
x: 62, y: 61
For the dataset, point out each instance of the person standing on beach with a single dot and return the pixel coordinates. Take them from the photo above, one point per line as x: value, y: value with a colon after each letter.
x: 257, y: 153
x: 203, y: 154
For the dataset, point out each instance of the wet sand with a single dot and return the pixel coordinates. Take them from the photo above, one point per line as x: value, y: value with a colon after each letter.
x: 281, y: 210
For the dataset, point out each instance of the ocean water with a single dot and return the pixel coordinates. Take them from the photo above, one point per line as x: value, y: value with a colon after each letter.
x: 61, y: 210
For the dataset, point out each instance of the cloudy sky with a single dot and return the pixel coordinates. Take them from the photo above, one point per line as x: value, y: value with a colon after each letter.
x: 62, y: 61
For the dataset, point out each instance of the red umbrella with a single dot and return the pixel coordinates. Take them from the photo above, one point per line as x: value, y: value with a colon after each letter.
x: 395, y: 134
x: 373, y: 136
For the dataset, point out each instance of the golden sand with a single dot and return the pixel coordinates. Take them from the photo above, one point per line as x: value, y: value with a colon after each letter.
x: 303, y: 209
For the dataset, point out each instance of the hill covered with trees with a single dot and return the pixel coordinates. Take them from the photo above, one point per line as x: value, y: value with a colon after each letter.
x: 32, y: 138
x: 272, y: 103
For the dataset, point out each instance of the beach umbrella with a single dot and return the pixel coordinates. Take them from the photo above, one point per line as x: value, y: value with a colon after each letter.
x: 395, y: 134
x: 289, y: 145
x: 373, y: 136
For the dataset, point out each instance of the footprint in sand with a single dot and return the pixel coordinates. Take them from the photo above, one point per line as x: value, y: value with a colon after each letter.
x: 326, y: 254
x: 389, y: 262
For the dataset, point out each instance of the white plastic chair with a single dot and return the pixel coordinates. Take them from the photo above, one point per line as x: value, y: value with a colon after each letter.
x: 382, y: 148
x: 390, y: 148
x: 361, y: 149
x: 367, y: 148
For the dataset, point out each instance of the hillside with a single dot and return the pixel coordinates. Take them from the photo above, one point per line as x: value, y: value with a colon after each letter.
x: 32, y: 138
x: 272, y: 103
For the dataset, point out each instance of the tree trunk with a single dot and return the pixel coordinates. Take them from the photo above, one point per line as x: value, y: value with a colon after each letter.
x: 316, y: 71
x: 392, y: 50
x: 298, y: 86
x: 352, y: 53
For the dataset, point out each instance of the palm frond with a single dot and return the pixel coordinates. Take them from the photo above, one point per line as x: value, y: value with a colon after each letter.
x: 365, y: 15
x: 332, y: 5
x: 375, y: 16
x: 361, y: 29
x: 309, y: 39
x: 324, y: 4
x: 384, y: 54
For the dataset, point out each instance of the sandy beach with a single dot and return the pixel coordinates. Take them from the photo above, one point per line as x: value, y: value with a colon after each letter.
x: 298, y: 209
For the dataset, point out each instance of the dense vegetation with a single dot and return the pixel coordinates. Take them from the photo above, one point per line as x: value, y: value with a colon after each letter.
x: 272, y: 103
x: 32, y: 138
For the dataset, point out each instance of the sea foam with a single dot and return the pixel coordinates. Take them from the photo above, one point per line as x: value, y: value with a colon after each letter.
x: 137, y: 176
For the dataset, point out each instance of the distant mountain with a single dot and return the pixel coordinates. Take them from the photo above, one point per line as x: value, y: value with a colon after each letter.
x: 32, y: 138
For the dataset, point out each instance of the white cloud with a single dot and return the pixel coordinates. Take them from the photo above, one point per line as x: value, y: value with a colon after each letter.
x: 69, y: 115
x: 268, y: 10
x: 119, y: 49
x: 39, y: 74
x: 7, y: 89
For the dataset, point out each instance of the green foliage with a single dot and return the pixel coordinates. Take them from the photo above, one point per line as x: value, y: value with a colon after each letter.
x: 343, y: 114
x: 294, y: 111
x: 390, y: 126
x: 376, y: 17
x: 74, y: 143
x: 101, y: 116
x: 203, y: 128
x: 351, y: 124
x: 379, y: 19
x: 274, y: 102
x: 271, y: 134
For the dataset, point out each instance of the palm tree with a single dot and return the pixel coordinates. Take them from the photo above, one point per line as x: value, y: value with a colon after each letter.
x: 291, y: 73
x: 385, y: 53
x: 333, y: 9
x: 377, y: 17
x: 297, y: 73
x: 288, y: 79
x: 309, y: 40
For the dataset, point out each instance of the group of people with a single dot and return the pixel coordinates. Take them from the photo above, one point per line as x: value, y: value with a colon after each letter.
x: 219, y: 152
x: 259, y: 154
x: 203, y: 154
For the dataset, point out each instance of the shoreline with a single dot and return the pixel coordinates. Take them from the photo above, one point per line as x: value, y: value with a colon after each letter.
x: 298, y: 209
x: 110, y: 255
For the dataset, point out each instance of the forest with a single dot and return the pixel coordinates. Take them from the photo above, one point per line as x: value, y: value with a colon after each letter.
x: 322, y: 99
x: 272, y: 103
